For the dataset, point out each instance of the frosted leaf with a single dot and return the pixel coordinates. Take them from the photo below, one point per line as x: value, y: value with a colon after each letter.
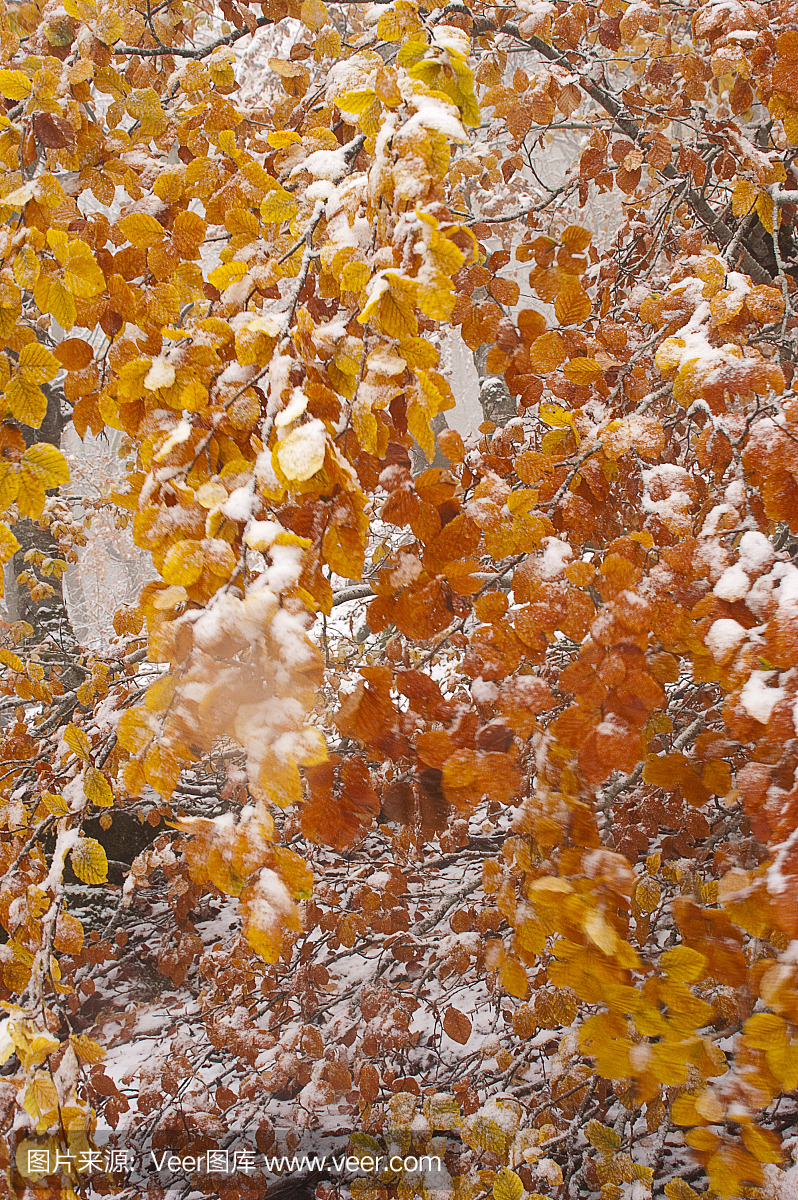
x: 757, y: 698
x: 294, y: 409
x: 733, y: 584
x: 160, y: 375
x: 756, y: 551
x: 301, y: 453
x: 270, y: 324
x: 724, y: 637
x: 181, y: 434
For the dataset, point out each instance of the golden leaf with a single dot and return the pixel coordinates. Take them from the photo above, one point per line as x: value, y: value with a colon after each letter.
x: 141, y: 229
x: 546, y: 353
x: 87, y: 1050
x: 683, y: 964
x: 53, y: 297
x: 8, y: 543
x: 513, y: 977
x: 507, y: 1186
x: 572, y: 305
x: 26, y: 267
x: 30, y: 497
x: 135, y: 730
x: 9, y: 485
x: 313, y: 14
x: 27, y: 401
x: 184, y: 563
x: 278, y: 205
x: 583, y: 371
x: 77, y: 741
x: 301, y: 453
x: 558, y: 418
x: 46, y: 464
x: 88, y: 861
x: 14, y: 85
x: 162, y: 770
x: 228, y: 273
x: 82, y: 274
x: 41, y: 1099
x: 602, y: 1136
x: 97, y: 788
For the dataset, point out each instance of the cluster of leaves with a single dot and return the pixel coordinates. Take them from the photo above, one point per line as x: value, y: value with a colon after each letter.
x: 579, y: 672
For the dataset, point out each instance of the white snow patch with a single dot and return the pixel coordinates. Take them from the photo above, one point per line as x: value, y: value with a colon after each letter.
x: 724, y: 637
x: 757, y: 698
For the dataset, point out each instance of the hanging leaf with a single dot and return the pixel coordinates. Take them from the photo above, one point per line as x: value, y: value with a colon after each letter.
x: 88, y: 861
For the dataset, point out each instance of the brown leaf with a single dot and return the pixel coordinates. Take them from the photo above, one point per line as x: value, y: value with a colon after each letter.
x: 456, y: 1025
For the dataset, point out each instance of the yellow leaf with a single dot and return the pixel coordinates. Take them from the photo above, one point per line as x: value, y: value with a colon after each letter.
x: 743, y: 197
x: 8, y: 544
x: 41, y: 1098
x: 162, y: 770
x: 14, y: 85
x: 437, y: 299
x: 572, y: 305
x: 46, y: 464
x: 33, y: 1155
x: 9, y: 485
x: 355, y: 276
x: 31, y: 497
x: 356, y: 102
x: 9, y: 659
x: 97, y: 788
x: 229, y: 273
x: 89, y: 861
x: 313, y: 14
x: 507, y: 1186
x: 31, y: 1046
x: 27, y: 401
x: 390, y: 305
x: 278, y: 206
x: 26, y: 267
x: 513, y: 978
x: 683, y: 964
x: 582, y: 371
x: 280, y: 138
x: 763, y: 1144
x: 558, y: 417
x: 82, y: 274
x: 301, y: 453
x: 184, y: 563
x: 87, y: 1050
x: 142, y: 230
x: 602, y: 1137
x: 52, y: 297
x: 419, y: 426
x: 600, y: 932
x: 77, y: 741
x: 135, y: 730
x: 159, y: 694
x: 37, y: 364
x: 58, y: 241
x: 764, y: 210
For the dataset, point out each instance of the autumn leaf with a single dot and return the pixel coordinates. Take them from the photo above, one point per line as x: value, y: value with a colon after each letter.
x: 89, y: 861
x: 456, y: 1025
